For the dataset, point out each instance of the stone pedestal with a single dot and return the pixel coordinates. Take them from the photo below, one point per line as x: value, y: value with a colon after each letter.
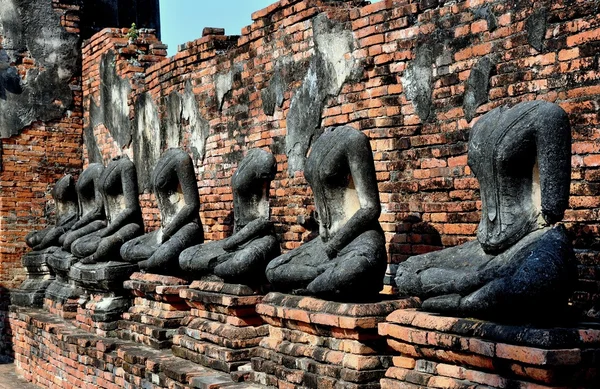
x: 39, y: 276
x: 314, y: 343
x: 157, y: 311
x: 104, y: 299
x: 223, y: 330
x: 448, y: 352
x: 63, y: 294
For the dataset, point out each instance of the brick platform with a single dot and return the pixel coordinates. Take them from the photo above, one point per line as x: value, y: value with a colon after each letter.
x: 223, y: 330
x: 104, y: 300
x: 53, y: 353
x: 157, y: 311
x: 62, y: 295
x: 314, y: 343
x: 447, y: 352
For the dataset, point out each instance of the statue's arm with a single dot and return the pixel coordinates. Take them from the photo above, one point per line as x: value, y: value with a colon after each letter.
x: 362, y: 170
x: 553, y: 140
x: 255, y: 228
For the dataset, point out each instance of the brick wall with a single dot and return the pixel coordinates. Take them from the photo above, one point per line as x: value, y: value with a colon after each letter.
x: 32, y: 162
x: 476, y: 55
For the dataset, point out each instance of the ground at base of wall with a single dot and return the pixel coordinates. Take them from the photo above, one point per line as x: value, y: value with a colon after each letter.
x: 9, y: 379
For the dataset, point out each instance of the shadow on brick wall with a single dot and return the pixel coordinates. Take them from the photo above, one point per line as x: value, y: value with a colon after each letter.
x: 5, y: 332
x: 413, y: 236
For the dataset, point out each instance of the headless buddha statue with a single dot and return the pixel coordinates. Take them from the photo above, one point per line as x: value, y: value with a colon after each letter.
x: 65, y: 199
x: 176, y: 191
x: 45, y: 243
x: 91, y: 206
x: 242, y: 257
x: 348, y: 259
x: 519, y: 263
x: 118, y: 187
x: 91, y: 219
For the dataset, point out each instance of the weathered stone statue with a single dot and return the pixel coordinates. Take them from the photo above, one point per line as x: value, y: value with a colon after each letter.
x: 176, y: 191
x: 65, y: 199
x: 44, y: 243
x: 348, y: 260
x: 91, y: 218
x: 101, y: 271
x: 520, y: 263
x: 242, y: 257
x: 119, y: 191
x: 91, y: 206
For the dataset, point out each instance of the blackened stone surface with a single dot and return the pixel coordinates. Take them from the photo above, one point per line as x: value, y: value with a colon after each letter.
x: 118, y: 186
x: 176, y: 190
x: 536, y: 28
x: 65, y: 201
x: 518, y: 267
x: 242, y: 257
x: 44, y: 95
x: 329, y: 69
x: 348, y: 260
x: 478, y: 86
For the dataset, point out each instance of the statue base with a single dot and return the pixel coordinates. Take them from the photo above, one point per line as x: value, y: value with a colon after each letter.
x: 315, y: 343
x: 39, y: 277
x: 223, y: 330
x: 105, y: 299
x: 157, y: 311
x: 440, y: 351
x: 62, y: 295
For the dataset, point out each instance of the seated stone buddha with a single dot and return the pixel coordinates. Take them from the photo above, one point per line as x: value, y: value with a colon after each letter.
x: 91, y: 219
x: 65, y: 199
x: 91, y: 206
x: 521, y: 262
x: 242, y: 257
x: 176, y: 191
x: 118, y: 187
x: 347, y: 261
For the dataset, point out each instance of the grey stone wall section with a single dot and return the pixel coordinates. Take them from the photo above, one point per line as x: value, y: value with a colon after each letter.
x: 536, y: 28
x: 417, y: 81
x: 146, y: 139
x: 44, y: 94
x: 478, y: 86
x: 153, y: 134
x: 112, y: 109
x: 328, y: 71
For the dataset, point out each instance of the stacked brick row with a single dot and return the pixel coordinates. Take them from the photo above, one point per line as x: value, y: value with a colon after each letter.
x: 33, y: 161
x: 446, y: 352
x: 315, y: 343
x: 542, y: 50
x: 157, y: 311
x: 54, y: 354
x: 223, y: 329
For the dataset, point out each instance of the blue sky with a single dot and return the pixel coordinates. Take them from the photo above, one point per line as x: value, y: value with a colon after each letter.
x: 183, y: 20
